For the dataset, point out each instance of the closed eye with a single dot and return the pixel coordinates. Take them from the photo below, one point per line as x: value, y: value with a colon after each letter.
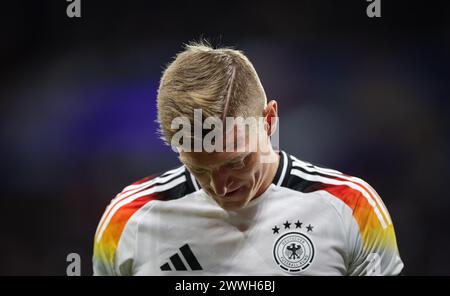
x: 237, y: 165
x: 197, y: 170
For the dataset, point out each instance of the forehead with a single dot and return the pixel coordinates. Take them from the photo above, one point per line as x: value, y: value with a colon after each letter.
x: 210, y: 159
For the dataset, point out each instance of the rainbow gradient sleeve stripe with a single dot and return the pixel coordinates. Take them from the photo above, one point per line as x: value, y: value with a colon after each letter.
x: 117, y: 215
x: 376, y: 237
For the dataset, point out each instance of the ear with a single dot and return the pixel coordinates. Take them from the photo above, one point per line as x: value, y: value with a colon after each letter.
x: 271, y: 117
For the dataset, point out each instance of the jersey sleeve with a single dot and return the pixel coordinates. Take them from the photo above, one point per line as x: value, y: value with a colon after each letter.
x: 371, y: 237
x: 114, y: 245
x: 114, y: 241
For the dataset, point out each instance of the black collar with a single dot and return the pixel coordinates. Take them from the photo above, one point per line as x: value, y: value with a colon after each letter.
x: 284, y: 167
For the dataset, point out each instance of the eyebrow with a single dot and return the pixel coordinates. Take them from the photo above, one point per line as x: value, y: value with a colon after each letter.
x: 237, y: 158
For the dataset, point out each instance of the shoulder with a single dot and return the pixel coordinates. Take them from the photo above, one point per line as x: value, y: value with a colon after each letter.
x: 366, y: 221
x: 118, y: 216
x: 347, y: 193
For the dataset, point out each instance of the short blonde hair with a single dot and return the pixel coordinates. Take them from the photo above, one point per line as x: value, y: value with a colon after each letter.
x: 221, y: 82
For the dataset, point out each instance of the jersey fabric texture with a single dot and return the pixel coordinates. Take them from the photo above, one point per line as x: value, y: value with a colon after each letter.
x: 310, y: 221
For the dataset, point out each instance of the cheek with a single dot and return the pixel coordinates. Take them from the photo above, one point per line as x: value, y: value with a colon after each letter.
x: 202, y: 179
x: 248, y: 174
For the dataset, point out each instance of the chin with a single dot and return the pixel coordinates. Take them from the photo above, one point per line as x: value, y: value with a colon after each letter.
x: 235, y: 202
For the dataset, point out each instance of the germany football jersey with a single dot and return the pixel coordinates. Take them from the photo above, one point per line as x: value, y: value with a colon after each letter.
x: 310, y: 221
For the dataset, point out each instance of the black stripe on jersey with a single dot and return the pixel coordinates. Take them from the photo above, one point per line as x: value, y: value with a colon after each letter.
x: 175, y: 192
x: 190, y: 181
x: 302, y: 185
x: 177, y: 263
x: 190, y: 257
x: 156, y: 183
x: 294, y: 166
x: 296, y: 183
x: 173, y: 177
x: 168, y: 172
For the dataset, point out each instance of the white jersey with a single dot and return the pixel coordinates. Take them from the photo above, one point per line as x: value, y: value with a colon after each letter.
x: 310, y: 221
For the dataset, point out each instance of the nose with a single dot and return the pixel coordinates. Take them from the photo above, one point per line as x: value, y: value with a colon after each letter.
x: 220, y: 182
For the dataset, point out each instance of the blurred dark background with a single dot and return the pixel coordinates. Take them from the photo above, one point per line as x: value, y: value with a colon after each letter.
x: 365, y: 96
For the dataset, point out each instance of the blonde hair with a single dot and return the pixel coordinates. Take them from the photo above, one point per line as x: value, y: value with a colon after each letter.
x: 221, y: 82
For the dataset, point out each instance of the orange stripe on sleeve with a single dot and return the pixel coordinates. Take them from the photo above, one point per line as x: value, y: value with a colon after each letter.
x: 105, y: 248
x: 372, y: 233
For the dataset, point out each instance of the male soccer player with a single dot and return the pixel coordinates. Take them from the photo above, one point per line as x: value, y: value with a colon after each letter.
x: 239, y: 211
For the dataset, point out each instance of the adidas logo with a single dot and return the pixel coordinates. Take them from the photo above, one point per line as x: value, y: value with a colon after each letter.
x: 179, y: 264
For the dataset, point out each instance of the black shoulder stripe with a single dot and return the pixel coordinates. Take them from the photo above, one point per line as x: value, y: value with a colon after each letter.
x: 182, y: 184
x: 175, y: 192
x: 302, y: 185
x: 299, y: 184
x: 180, y: 190
x: 153, y: 180
x: 173, y: 177
x: 294, y: 166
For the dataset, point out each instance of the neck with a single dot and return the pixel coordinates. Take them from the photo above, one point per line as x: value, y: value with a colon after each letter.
x: 269, y: 169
